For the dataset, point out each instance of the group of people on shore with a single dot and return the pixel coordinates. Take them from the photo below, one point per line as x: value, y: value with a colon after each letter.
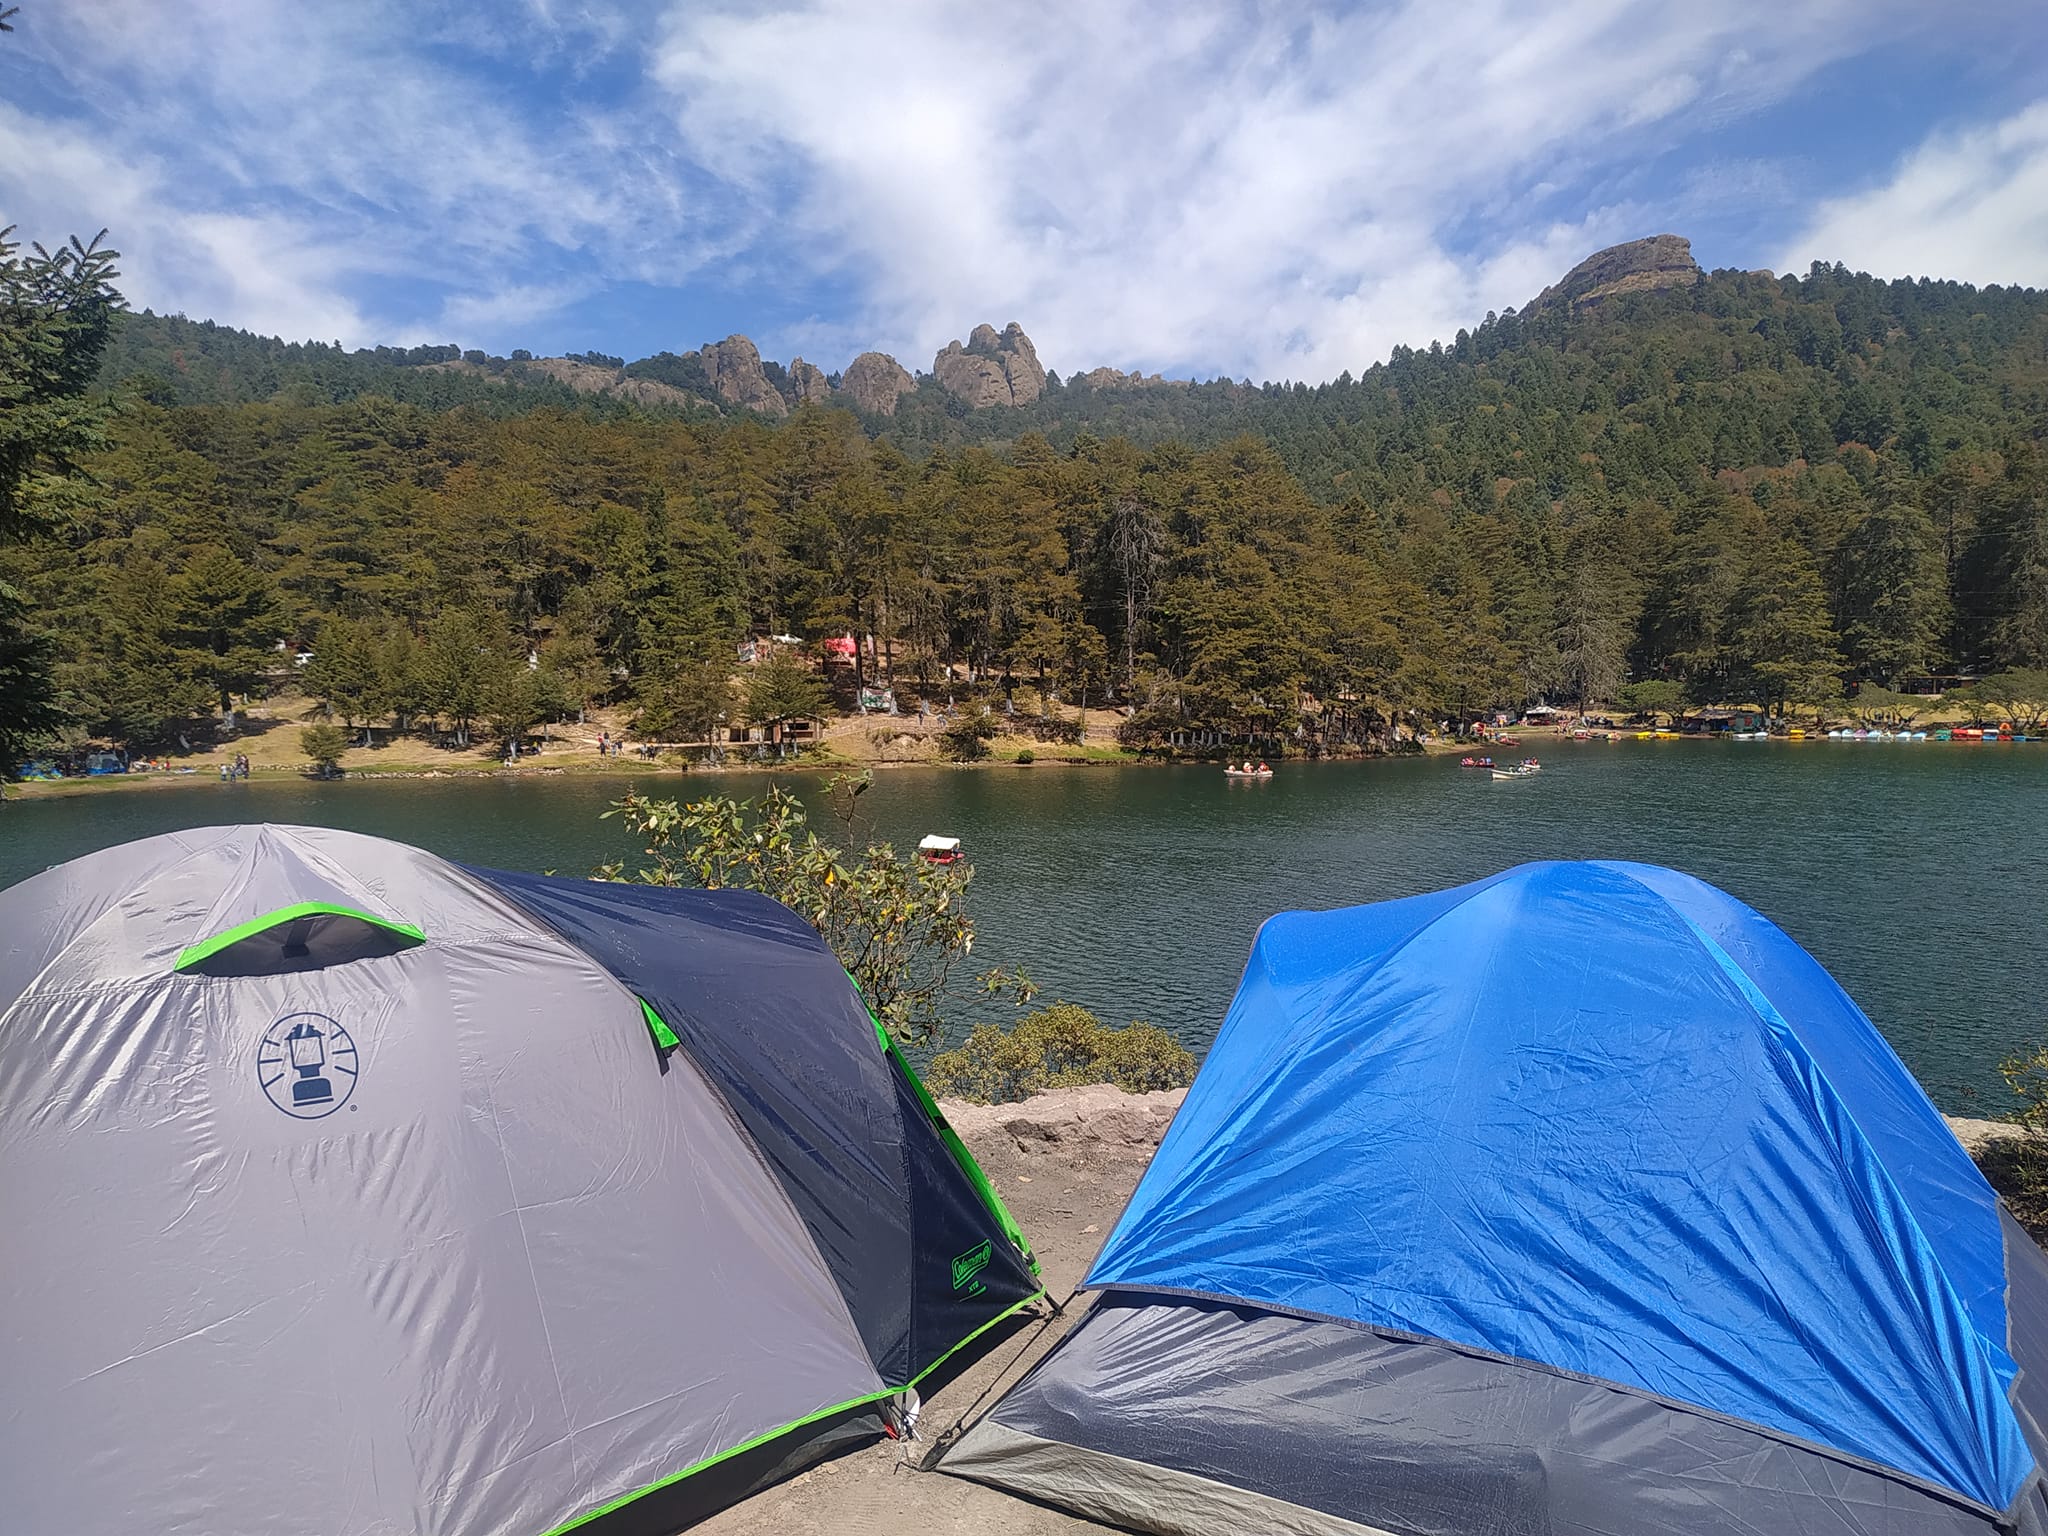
x: 238, y: 769
x: 608, y: 746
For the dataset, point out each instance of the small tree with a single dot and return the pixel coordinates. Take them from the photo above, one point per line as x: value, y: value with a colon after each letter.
x: 2020, y: 696
x: 574, y: 671
x: 899, y: 925
x: 686, y: 701
x: 781, y: 689
x: 513, y: 698
x: 1651, y: 698
x: 1874, y: 705
x: 966, y: 739
x: 324, y: 743
x: 344, y: 674
x: 227, y: 620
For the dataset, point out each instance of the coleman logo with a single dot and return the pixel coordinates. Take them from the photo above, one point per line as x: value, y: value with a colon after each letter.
x: 306, y: 1063
x: 968, y: 1266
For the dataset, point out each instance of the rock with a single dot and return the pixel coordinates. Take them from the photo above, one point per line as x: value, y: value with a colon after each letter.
x: 1116, y: 378
x: 1638, y: 266
x: 1099, y: 1112
x: 589, y: 379
x: 874, y: 382
x: 1975, y: 1135
x: 991, y: 369
x: 808, y: 381
x: 734, y: 368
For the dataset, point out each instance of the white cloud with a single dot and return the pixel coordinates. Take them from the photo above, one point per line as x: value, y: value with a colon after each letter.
x: 1253, y: 189
x: 1196, y: 185
x: 286, y: 167
x: 1971, y: 205
x: 264, y: 272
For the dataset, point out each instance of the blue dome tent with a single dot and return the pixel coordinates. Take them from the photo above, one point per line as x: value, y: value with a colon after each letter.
x: 1576, y: 1200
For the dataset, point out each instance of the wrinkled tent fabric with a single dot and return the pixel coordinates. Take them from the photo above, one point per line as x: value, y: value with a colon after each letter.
x: 445, y: 1235
x: 1580, y: 1199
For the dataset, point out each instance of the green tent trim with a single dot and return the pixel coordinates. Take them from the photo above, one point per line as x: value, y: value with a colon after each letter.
x: 657, y: 1026
x: 794, y: 1424
x: 206, y: 949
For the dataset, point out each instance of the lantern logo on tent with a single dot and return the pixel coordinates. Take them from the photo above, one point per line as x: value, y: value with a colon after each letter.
x: 306, y: 1063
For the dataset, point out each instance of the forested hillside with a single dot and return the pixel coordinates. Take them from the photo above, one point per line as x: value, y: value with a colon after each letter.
x: 1756, y: 488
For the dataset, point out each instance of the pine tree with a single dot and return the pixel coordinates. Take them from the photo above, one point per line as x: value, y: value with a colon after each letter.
x: 226, y: 621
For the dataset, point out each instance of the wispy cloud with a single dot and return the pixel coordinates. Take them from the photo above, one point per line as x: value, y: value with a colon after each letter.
x: 1264, y: 190
x: 289, y: 162
x: 1202, y: 185
x: 1970, y: 205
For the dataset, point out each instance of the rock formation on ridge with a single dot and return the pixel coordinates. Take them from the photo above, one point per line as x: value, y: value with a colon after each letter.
x: 1116, y: 378
x: 874, y: 382
x: 1636, y: 266
x: 807, y: 381
x: 991, y: 369
x: 734, y: 368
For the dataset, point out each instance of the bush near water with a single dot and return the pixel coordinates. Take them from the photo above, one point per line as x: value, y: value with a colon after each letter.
x: 1058, y: 1047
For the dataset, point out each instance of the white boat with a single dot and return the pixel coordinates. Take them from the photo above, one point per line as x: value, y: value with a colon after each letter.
x: 1519, y: 771
x: 939, y: 850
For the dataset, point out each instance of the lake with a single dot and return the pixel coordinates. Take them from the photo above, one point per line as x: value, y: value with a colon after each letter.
x: 1915, y: 872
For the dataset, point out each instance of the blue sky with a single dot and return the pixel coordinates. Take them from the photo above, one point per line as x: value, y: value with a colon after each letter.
x: 1196, y: 187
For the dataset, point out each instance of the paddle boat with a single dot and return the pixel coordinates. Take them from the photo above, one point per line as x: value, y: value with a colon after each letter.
x: 939, y: 850
x: 1247, y: 772
x: 1475, y: 762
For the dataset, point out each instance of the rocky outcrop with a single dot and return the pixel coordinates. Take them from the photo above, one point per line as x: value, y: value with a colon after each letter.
x: 734, y: 368
x: 807, y: 382
x: 587, y: 379
x: 991, y: 369
x: 584, y: 378
x: 874, y: 382
x: 1116, y: 378
x: 1100, y: 1112
x: 1638, y: 266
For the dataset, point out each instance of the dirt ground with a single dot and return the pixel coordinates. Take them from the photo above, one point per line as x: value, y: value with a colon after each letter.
x: 1064, y: 1164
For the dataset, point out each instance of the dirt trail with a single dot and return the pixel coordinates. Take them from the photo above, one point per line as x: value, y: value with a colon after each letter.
x: 1065, y: 1163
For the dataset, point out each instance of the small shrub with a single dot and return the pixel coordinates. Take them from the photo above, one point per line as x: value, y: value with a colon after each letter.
x: 2017, y: 1166
x: 1059, y: 1047
x: 966, y: 739
x: 324, y: 744
x: 1027, y: 756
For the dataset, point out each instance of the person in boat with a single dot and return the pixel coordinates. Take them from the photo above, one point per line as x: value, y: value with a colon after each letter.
x: 1264, y: 769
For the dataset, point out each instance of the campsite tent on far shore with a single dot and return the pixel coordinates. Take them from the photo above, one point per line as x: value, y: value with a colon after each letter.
x: 1577, y: 1200
x: 350, y: 1192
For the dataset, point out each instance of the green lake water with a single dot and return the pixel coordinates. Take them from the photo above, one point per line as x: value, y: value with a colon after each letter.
x: 1918, y: 873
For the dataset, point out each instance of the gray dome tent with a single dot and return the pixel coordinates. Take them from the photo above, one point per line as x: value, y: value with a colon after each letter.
x: 349, y: 1192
